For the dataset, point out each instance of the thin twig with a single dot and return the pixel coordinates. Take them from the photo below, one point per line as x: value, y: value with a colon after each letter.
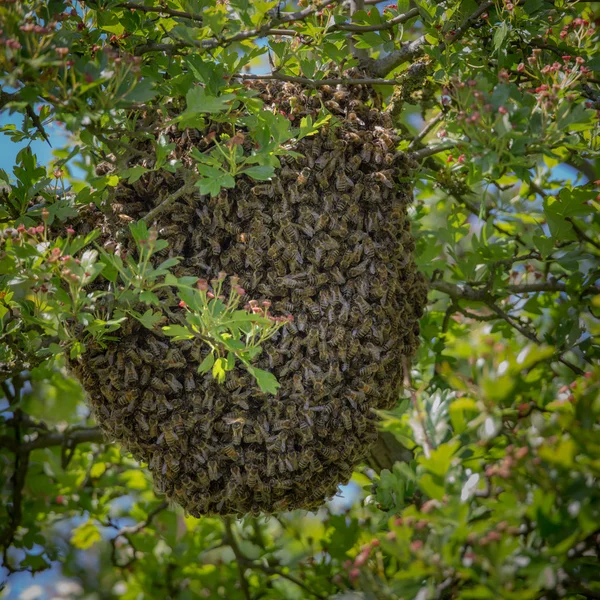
x: 241, y: 560
x: 164, y: 10
x: 390, y: 24
x: 407, y: 383
x: 132, y: 529
x: 439, y: 117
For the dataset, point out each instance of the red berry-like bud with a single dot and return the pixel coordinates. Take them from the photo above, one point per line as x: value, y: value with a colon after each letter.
x: 202, y: 285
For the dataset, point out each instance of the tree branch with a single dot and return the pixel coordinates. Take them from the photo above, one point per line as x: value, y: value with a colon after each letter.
x: 6, y: 97
x: 186, y: 188
x: 69, y: 436
x: 413, y: 12
x: 411, y: 50
x: 131, y: 529
x: 466, y: 292
x: 431, y: 150
x: 241, y: 560
x: 315, y: 82
x: 163, y: 10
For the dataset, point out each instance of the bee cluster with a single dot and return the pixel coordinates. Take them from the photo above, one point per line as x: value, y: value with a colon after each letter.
x: 327, y: 240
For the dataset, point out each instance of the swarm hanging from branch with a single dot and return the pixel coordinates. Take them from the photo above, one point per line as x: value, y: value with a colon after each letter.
x: 327, y: 240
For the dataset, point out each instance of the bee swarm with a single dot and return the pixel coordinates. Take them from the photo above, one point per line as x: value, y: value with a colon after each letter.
x: 328, y: 241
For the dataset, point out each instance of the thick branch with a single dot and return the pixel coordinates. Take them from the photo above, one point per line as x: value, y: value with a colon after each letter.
x: 186, y: 188
x: 407, y: 51
x: 431, y: 150
x: 70, y: 437
x: 316, y: 82
x: 411, y: 50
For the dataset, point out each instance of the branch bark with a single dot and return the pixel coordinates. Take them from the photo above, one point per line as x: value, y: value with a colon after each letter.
x: 410, y: 50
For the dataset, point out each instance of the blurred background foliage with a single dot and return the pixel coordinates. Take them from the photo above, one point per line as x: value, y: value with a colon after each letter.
x: 499, y: 103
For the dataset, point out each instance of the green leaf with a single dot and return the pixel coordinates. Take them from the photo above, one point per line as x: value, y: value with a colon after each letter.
x: 207, y: 363
x: 218, y: 370
x: 150, y: 319
x: 230, y: 361
x: 260, y: 173
x: 267, y: 382
x: 500, y: 35
x: 178, y: 332
x: 139, y: 231
x: 85, y: 535
x: 133, y: 173
x: 213, y: 180
x: 198, y: 102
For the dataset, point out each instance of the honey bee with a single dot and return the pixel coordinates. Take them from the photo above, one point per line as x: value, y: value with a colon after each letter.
x: 171, y: 438
x: 174, y: 359
x: 201, y: 478
x: 343, y: 183
x: 316, y: 464
x: 252, y: 476
x: 147, y: 401
x: 263, y: 189
x: 145, y: 375
x: 353, y: 348
x: 236, y: 475
x: 323, y: 351
x: 363, y: 306
x: 365, y: 327
x: 360, y: 424
x: 162, y: 405
x: 330, y: 453
x: 253, y: 259
x: 352, y: 166
x: 213, y: 470
x: 237, y: 427
x: 173, y: 383
x: 303, y: 177
x: 306, y: 457
x: 131, y: 375
x: 172, y: 462
x: 346, y: 419
x: 368, y: 370
x: 157, y: 348
x: 108, y: 392
x: 313, y: 308
x: 383, y: 178
x: 230, y: 452
x: 189, y: 382
x: 305, y: 431
x: 98, y: 361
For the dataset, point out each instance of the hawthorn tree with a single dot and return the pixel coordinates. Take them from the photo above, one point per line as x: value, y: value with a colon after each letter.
x: 484, y: 483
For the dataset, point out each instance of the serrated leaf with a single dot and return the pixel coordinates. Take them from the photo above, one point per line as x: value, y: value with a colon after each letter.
x: 150, y: 319
x: 267, y: 382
